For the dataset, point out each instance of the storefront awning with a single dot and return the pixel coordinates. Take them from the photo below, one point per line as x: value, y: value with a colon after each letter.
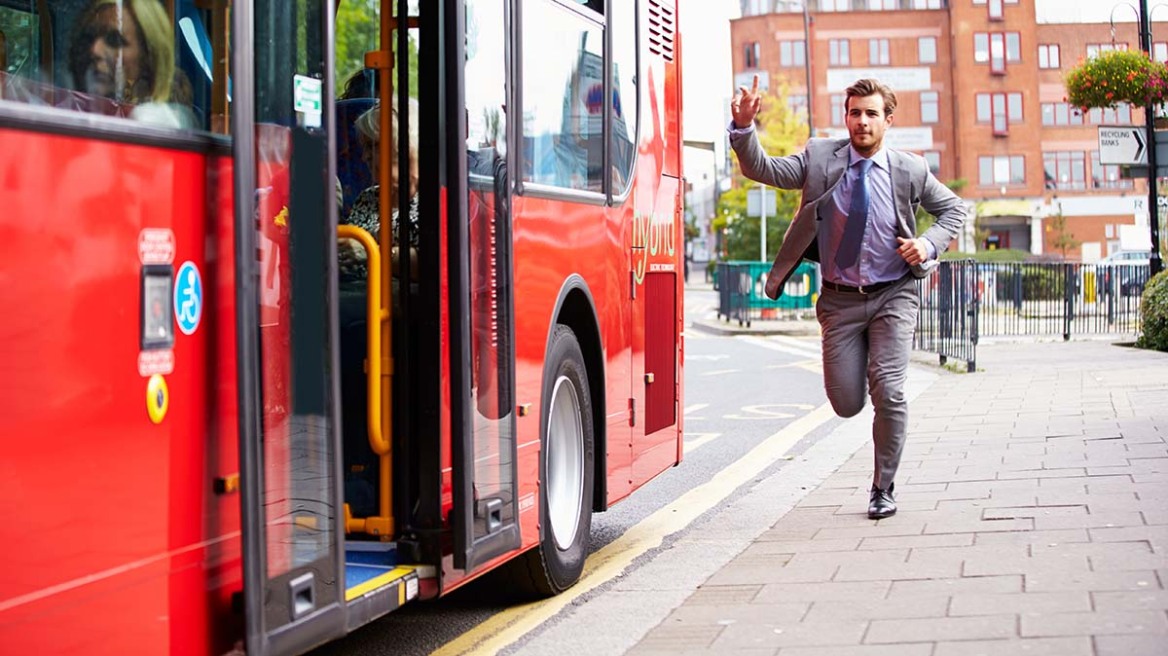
x: 1005, y: 208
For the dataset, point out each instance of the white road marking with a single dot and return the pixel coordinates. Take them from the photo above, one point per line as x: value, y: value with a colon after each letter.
x: 766, y: 411
x: 695, y: 440
x: 721, y: 371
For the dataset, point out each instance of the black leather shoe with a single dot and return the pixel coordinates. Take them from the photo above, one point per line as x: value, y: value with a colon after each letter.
x: 881, y: 504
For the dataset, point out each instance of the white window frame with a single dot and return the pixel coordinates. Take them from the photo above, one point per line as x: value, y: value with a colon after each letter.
x: 921, y: 49
x: 933, y: 99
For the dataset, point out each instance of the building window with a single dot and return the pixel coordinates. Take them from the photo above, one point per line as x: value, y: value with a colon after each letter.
x: 994, y: 7
x: 1013, y: 47
x: 1000, y: 170
x: 751, y: 53
x: 926, y: 4
x: 999, y: 109
x: 878, y: 52
x: 1008, y: 2
x: 997, y: 48
x: 929, y: 111
x: 1048, y: 55
x: 1057, y: 114
x: 791, y: 53
x: 1118, y: 115
x: 1064, y: 170
x: 927, y: 49
x: 933, y: 159
x: 997, y: 53
x: 877, y: 5
x: 1106, y: 176
x: 798, y: 105
x: 839, y: 52
x: 837, y: 108
x: 835, y: 5
x: 759, y: 7
x: 1096, y: 48
x: 1160, y: 51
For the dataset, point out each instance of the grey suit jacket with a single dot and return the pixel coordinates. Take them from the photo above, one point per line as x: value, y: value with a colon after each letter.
x: 817, y: 170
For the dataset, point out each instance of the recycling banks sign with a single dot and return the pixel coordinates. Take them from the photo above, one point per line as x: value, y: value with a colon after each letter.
x: 1122, y: 145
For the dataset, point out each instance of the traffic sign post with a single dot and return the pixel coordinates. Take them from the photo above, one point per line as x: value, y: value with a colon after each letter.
x: 757, y: 201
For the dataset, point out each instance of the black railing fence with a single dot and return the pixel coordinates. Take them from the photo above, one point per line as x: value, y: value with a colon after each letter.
x: 1061, y: 299
x: 963, y: 301
x: 947, y: 323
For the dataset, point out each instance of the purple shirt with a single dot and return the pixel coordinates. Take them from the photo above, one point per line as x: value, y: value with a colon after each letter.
x: 878, y: 261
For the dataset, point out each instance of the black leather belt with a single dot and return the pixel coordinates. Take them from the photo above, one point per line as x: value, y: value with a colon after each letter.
x: 863, y: 289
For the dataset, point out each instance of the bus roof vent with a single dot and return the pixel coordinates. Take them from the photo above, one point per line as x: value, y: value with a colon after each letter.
x: 662, y: 24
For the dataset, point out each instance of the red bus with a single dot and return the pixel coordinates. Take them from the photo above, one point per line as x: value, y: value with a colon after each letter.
x: 212, y: 443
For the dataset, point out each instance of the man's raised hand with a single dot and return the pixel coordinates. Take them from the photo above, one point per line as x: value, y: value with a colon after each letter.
x: 744, y: 107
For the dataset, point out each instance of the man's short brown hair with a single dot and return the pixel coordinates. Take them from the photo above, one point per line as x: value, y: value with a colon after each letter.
x: 869, y: 87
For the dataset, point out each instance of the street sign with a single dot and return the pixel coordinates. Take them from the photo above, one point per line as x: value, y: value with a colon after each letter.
x: 753, y: 197
x: 1122, y: 145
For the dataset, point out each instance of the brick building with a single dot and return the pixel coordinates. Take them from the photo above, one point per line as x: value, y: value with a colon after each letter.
x: 979, y: 85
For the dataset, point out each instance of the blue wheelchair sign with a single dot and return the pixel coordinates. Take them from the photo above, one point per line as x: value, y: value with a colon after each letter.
x: 188, y: 298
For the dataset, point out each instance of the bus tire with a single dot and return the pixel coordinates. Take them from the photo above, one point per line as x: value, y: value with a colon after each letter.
x: 565, y: 470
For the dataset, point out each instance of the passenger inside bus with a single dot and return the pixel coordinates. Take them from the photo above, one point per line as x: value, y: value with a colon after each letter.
x: 365, y: 211
x: 358, y: 96
x: 124, y: 52
x: 361, y: 464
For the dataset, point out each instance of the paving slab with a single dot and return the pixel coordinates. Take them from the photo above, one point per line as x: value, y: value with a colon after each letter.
x: 1033, y: 520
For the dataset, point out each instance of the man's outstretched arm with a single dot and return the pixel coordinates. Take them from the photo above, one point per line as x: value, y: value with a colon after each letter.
x: 783, y: 172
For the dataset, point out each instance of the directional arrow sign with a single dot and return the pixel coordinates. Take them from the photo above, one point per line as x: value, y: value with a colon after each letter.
x: 1122, y: 145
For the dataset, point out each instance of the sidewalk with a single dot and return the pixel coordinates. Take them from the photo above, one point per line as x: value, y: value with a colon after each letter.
x: 1033, y: 519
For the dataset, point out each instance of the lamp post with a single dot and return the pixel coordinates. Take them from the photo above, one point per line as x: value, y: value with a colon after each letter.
x: 1142, y: 14
x: 807, y: 70
x: 1156, y: 263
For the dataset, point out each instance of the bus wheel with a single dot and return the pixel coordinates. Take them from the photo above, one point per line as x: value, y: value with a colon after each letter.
x: 565, y: 470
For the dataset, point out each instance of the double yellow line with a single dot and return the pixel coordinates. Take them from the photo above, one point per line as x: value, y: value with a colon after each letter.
x: 508, y: 626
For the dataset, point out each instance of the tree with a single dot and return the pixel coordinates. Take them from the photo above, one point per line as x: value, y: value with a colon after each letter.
x: 1062, y: 239
x: 358, y: 29
x: 780, y: 132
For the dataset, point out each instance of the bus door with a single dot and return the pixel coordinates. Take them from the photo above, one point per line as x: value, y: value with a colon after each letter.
x: 481, y: 305
x: 286, y: 325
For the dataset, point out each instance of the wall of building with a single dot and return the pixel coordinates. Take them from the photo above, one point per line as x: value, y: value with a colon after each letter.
x: 958, y: 141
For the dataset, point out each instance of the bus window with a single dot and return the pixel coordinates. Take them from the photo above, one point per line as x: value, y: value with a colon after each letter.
x: 623, y: 33
x: 19, y: 40
x: 563, y: 98
x: 144, y: 60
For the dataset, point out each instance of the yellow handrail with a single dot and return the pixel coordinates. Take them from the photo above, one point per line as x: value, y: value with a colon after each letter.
x: 379, y: 439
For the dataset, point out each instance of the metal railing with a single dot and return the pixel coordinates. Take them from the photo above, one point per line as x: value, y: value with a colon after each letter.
x: 963, y: 301
x: 741, y: 295
x: 947, y: 323
x: 1061, y: 299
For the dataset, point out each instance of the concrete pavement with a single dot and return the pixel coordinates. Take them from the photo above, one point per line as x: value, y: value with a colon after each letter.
x: 1033, y: 519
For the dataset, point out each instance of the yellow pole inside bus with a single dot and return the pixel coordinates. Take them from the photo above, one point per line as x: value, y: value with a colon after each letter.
x: 382, y: 61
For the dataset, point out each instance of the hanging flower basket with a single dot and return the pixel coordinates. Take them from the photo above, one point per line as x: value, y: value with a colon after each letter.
x: 1115, y: 77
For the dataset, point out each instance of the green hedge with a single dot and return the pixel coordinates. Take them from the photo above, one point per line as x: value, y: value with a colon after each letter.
x: 1038, y: 284
x: 1154, y: 313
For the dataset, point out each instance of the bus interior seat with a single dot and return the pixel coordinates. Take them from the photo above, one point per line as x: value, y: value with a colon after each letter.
x: 194, y: 56
x: 354, y: 175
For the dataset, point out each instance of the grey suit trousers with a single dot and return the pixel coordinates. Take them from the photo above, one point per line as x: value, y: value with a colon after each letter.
x: 867, y: 339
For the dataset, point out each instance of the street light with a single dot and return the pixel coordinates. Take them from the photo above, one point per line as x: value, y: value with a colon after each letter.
x: 1156, y: 264
x: 810, y: 106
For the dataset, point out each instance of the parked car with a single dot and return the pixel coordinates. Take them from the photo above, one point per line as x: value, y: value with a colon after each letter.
x: 1129, y: 269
